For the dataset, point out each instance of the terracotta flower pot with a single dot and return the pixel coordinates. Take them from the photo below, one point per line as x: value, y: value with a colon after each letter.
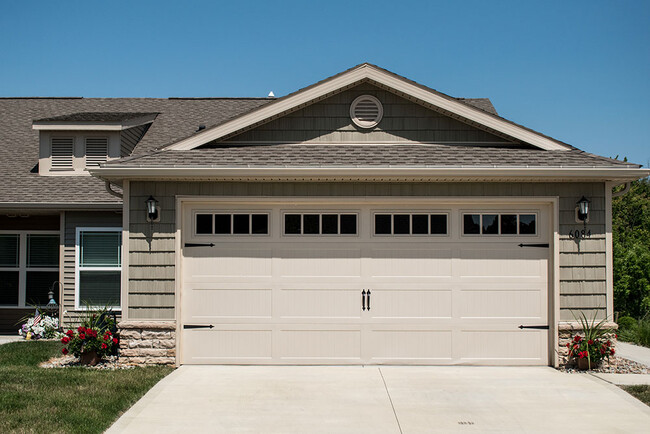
x: 583, y: 364
x: 90, y: 358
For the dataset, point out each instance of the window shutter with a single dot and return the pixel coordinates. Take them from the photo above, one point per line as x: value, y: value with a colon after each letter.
x: 62, y: 152
x: 96, y: 151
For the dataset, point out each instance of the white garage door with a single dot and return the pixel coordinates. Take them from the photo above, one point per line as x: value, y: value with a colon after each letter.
x: 375, y: 283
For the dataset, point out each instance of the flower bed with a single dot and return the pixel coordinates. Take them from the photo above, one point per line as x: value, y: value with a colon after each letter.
x: 40, y: 327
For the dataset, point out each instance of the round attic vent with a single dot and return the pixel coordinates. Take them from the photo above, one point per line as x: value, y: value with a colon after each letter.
x: 366, y: 111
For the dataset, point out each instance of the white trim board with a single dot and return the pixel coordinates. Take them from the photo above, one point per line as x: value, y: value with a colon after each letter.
x: 356, y: 75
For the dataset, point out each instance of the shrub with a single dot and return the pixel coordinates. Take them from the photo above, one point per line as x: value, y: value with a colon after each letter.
x: 626, y: 323
x: 87, y: 339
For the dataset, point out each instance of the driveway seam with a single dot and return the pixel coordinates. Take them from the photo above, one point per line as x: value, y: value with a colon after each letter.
x: 391, y: 401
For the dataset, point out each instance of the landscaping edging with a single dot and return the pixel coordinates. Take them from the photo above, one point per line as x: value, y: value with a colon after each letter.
x: 147, y: 342
x: 567, y: 330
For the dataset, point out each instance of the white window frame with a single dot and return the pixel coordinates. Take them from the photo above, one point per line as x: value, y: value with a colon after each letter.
x: 78, y: 268
x: 320, y: 214
x: 232, y: 213
x: 410, y: 213
x: 23, y: 268
x: 518, y: 213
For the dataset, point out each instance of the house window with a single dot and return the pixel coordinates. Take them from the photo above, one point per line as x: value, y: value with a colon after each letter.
x: 499, y: 224
x: 99, y: 267
x: 231, y: 224
x: 320, y: 224
x: 410, y: 224
x: 29, y: 265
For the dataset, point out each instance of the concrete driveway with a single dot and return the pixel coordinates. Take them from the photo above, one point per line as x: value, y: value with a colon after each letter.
x: 389, y: 399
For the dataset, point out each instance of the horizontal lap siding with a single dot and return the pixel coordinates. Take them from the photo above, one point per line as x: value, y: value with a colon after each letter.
x: 152, y: 258
x: 73, y: 220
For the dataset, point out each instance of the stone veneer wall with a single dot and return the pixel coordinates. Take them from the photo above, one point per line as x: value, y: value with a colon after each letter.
x: 566, y: 331
x: 148, y: 342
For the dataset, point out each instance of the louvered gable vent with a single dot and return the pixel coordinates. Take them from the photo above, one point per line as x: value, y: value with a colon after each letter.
x: 96, y: 151
x: 62, y: 152
x: 366, y: 111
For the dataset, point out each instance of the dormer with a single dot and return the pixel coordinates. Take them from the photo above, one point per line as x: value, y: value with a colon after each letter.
x: 73, y: 143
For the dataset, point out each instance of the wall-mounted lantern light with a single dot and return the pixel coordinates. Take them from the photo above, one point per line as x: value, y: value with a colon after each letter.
x: 583, y: 209
x: 153, y: 210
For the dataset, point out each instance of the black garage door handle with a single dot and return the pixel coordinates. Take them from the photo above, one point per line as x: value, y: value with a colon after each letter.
x: 538, y: 327
x: 198, y: 326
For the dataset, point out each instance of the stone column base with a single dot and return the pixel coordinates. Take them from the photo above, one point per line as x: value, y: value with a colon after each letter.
x: 566, y: 332
x: 147, y: 342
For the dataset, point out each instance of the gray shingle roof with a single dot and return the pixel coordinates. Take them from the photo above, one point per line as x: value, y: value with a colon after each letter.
x: 19, y: 142
x: 96, y: 117
x: 331, y: 155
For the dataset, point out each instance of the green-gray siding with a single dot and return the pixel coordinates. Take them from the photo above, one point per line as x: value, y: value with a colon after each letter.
x: 151, y: 256
x: 328, y: 121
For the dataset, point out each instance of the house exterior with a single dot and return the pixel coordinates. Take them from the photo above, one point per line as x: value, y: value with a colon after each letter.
x: 365, y: 219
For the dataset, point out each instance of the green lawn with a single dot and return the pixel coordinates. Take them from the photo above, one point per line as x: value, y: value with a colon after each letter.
x: 70, y: 400
x: 642, y: 393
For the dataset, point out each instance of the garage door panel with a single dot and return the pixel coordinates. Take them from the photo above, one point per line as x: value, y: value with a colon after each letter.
x: 502, y: 345
x: 410, y: 263
x: 411, y: 345
x: 225, y: 346
x: 224, y: 303
x: 212, y: 264
x: 319, y: 303
x: 321, y: 262
x: 499, y: 263
x: 491, y: 303
x: 317, y: 345
x: 411, y: 304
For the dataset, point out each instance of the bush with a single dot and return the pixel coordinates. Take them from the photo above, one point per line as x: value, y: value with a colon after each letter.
x: 637, y: 332
x: 626, y: 323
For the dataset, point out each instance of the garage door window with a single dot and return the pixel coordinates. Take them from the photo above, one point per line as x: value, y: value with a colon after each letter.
x: 320, y: 224
x: 99, y: 267
x: 410, y: 224
x: 499, y: 224
x: 231, y: 224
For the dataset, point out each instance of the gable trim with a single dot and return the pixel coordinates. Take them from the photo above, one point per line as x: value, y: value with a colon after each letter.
x: 357, y: 75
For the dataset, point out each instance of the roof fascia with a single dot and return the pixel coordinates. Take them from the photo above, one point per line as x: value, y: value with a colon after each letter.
x: 460, y: 173
x: 92, y: 126
x: 368, y: 72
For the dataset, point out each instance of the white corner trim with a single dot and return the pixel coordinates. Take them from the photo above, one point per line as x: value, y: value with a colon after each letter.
x: 369, y: 72
x: 609, y: 252
x: 124, y: 290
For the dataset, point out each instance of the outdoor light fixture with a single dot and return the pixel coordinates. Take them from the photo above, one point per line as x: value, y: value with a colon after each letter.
x: 583, y: 209
x: 153, y: 211
x: 52, y: 307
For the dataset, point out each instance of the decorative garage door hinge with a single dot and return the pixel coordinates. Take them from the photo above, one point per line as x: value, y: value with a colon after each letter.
x: 198, y: 326
x: 539, y: 327
x: 199, y: 244
x: 530, y: 245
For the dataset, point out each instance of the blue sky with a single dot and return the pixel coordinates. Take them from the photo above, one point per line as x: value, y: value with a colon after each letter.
x: 578, y: 71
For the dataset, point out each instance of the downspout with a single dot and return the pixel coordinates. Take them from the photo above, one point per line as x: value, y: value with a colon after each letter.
x: 625, y: 190
x: 113, y: 192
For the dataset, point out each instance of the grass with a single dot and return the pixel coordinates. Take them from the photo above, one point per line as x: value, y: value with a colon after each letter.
x: 642, y: 393
x: 637, y: 332
x: 70, y: 400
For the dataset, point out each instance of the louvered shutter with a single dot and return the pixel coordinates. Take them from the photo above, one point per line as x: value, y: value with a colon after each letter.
x: 62, y: 153
x: 96, y: 151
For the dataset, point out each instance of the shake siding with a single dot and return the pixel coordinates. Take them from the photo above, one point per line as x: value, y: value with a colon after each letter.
x: 152, y: 260
x: 73, y: 220
x: 329, y: 121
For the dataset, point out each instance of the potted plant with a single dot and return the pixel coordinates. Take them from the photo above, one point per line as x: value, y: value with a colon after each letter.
x: 590, y: 350
x: 93, y: 340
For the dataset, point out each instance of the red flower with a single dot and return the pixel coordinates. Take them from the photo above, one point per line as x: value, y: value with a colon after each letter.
x: 608, y: 343
x: 106, y: 337
x: 64, y: 351
x: 616, y: 335
x: 81, y: 329
x: 115, y: 341
x: 577, y: 338
x: 602, y: 350
x: 65, y: 340
x: 568, y: 344
x: 590, y: 342
x: 611, y: 351
x: 70, y: 333
x: 82, y: 336
x: 575, y: 347
x: 108, y: 332
x: 104, y: 346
